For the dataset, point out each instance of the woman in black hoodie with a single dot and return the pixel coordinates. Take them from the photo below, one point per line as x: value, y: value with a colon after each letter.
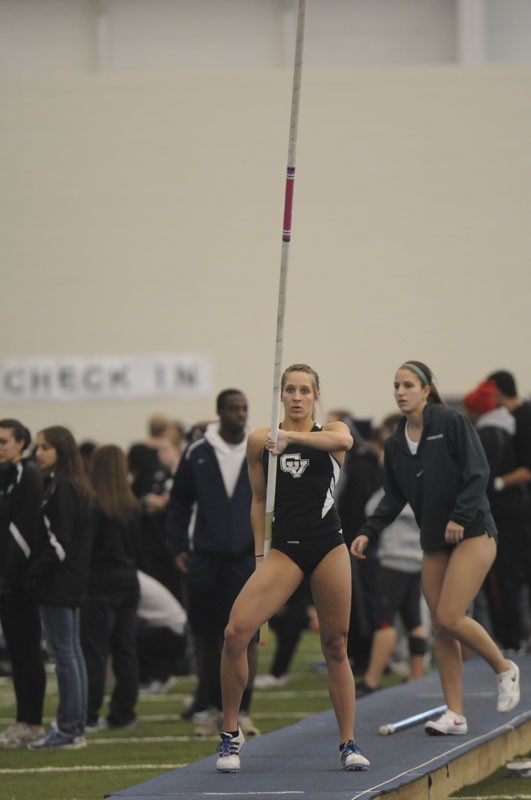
x: 20, y: 501
x: 435, y: 462
x: 58, y: 578
x: 108, y: 619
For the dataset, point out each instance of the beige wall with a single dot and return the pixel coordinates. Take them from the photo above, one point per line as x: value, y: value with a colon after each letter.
x: 143, y: 215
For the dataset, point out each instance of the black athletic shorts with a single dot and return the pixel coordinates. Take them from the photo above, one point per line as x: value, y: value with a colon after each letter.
x: 398, y: 593
x: 308, y: 554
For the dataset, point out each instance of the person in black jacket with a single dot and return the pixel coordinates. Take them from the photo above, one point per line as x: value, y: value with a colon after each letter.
x: 212, y: 483
x: 108, y: 618
x: 496, y: 428
x: 58, y: 578
x: 20, y: 500
x: 435, y: 462
x: 361, y: 476
x: 508, y: 397
x: 519, y: 477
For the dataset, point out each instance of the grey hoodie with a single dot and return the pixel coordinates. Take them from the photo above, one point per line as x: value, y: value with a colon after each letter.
x: 399, y: 543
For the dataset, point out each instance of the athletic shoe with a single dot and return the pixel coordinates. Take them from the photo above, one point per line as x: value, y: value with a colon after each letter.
x: 201, y: 716
x: 352, y: 757
x: 211, y: 723
x: 156, y: 686
x: 229, y: 750
x: 269, y: 681
x: 56, y: 740
x: 193, y: 710
x: 111, y: 725
x: 100, y: 725
x: 246, y: 724
x: 19, y: 735
x: 508, y: 689
x: 362, y: 689
x: 448, y: 724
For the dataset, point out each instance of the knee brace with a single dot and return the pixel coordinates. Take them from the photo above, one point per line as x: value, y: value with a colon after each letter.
x: 417, y: 646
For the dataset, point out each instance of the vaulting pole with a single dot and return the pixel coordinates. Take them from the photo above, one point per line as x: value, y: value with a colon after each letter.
x: 281, y: 307
x: 409, y: 722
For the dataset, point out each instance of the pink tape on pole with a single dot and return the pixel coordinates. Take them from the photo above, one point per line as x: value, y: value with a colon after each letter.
x: 288, y: 204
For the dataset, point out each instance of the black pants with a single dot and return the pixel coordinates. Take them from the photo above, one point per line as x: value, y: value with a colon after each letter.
x: 159, y: 651
x: 289, y: 625
x: 213, y: 585
x: 21, y: 625
x: 504, y: 584
x: 363, y: 611
x: 108, y: 628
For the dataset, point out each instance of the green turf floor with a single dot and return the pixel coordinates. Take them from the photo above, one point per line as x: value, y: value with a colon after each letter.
x: 161, y: 741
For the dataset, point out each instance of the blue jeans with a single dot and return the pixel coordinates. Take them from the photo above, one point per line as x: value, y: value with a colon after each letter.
x: 61, y: 629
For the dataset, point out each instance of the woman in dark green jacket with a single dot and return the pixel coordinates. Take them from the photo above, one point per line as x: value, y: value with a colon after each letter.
x: 435, y: 462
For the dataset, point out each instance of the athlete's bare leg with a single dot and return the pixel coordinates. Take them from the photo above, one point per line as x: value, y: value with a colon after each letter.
x: 266, y: 591
x: 451, y: 580
x: 382, y: 647
x: 331, y: 589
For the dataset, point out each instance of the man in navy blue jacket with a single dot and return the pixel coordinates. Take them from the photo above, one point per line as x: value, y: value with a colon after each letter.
x: 209, y: 534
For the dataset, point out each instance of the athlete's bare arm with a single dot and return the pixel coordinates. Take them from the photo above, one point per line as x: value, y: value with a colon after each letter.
x: 335, y: 438
x: 255, y: 449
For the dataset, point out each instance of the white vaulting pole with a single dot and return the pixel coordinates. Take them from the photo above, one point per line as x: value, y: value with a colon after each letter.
x: 286, y: 239
x: 409, y: 722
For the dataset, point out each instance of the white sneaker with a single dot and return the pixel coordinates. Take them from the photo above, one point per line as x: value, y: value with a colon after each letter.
x: 19, y: 735
x: 199, y: 717
x: 508, y: 689
x: 56, y: 740
x: 211, y: 724
x: 229, y: 750
x: 269, y: 681
x: 448, y: 724
x: 352, y: 757
x: 246, y: 724
x: 100, y: 725
x: 157, y: 687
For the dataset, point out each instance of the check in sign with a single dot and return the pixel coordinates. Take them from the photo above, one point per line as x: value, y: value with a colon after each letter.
x: 59, y: 380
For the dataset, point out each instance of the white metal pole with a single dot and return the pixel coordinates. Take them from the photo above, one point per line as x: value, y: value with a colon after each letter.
x: 286, y: 239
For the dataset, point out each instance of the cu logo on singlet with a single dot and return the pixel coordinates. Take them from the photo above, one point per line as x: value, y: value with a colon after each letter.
x: 294, y: 464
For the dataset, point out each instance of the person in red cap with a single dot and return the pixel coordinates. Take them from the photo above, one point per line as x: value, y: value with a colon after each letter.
x: 520, y: 408
x: 481, y: 400
x: 496, y: 428
x: 508, y: 397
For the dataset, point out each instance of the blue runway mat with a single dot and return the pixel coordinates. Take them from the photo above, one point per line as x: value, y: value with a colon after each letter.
x: 302, y: 760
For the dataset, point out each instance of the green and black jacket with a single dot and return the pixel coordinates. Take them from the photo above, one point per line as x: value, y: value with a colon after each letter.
x: 445, y: 480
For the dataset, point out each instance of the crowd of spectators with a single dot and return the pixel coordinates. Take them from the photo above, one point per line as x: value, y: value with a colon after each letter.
x: 97, y: 571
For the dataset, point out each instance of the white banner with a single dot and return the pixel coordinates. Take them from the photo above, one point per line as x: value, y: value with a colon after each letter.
x: 61, y: 380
